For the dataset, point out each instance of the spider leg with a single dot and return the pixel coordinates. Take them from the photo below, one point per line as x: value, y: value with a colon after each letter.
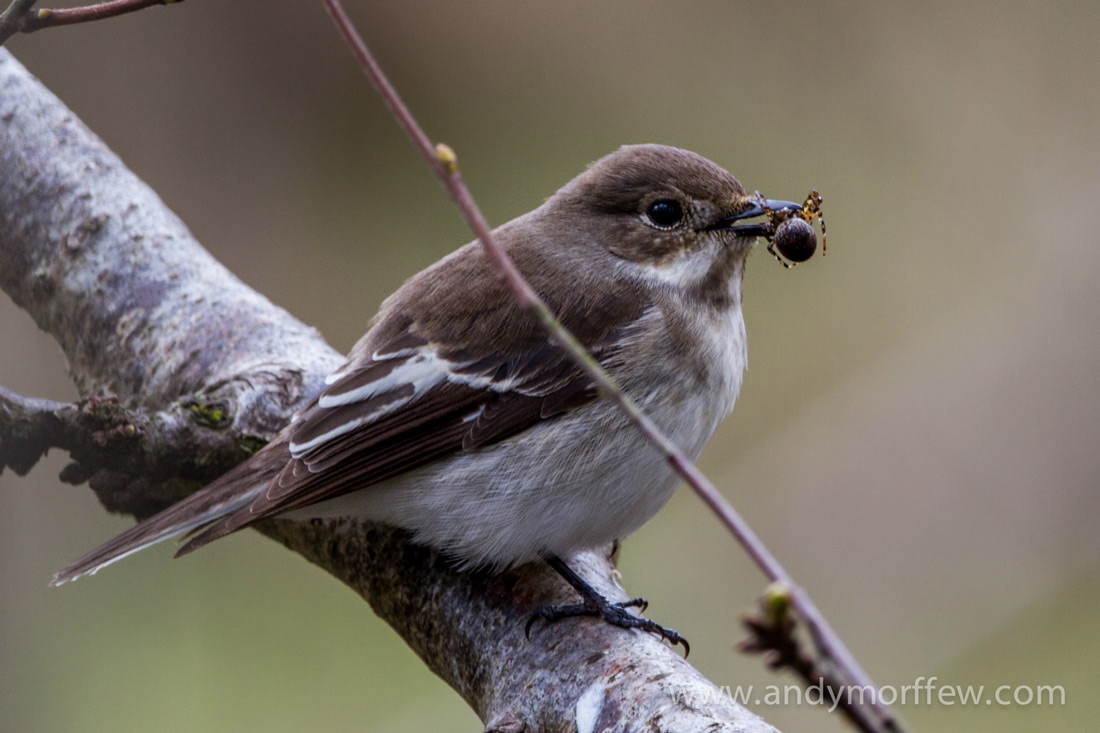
x: 820, y: 216
x: 788, y: 265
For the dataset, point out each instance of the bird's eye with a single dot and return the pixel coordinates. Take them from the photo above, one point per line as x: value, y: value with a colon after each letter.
x: 664, y: 213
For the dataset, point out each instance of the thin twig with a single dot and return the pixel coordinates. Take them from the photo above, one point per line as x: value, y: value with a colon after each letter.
x: 443, y: 162
x: 47, y: 18
x: 11, y: 20
x: 773, y: 634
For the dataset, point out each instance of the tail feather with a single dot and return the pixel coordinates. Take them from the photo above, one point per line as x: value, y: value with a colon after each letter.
x: 156, y: 529
x: 219, y: 527
x: 231, y: 492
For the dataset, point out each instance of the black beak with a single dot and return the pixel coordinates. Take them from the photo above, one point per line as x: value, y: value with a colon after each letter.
x: 757, y: 208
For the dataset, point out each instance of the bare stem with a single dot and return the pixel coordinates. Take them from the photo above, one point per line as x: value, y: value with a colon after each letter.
x: 46, y: 18
x: 12, y: 19
x: 773, y: 634
x: 443, y: 162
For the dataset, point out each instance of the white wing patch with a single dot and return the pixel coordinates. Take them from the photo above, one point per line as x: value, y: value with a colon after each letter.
x: 423, y: 371
x: 297, y: 450
x: 420, y: 368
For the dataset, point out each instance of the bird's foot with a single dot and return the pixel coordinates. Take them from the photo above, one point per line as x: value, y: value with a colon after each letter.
x: 613, y: 613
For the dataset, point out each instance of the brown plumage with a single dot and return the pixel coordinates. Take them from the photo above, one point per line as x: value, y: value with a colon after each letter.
x: 455, y: 378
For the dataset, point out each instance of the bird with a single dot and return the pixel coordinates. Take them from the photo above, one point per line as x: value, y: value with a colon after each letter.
x: 458, y: 418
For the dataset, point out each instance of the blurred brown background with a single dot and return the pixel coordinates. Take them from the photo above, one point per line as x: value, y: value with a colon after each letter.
x: 918, y: 436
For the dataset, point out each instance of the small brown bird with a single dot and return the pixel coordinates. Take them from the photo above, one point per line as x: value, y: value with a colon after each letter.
x: 457, y: 418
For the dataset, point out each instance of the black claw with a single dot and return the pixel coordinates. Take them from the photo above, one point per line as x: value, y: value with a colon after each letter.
x: 596, y: 605
x: 613, y: 613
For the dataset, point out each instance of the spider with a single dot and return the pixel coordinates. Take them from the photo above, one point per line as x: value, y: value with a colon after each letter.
x: 790, y: 229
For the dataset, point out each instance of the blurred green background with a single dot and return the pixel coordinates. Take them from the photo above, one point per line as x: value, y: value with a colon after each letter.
x: 918, y: 436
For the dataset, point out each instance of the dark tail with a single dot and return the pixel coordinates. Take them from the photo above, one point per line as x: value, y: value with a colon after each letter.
x: 226, y: 495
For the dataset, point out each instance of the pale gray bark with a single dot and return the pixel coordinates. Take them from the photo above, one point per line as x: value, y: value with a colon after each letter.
x: 204, y: 366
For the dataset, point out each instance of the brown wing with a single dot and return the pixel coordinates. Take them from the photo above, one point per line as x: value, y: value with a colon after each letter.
x: 445, y: 369
x: 398, y: 408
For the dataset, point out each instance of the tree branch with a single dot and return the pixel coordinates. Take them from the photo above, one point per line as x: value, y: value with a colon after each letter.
x: 136, y: 461
x: 18, y: 18
x: 13, y: 17
x: 143, y: 312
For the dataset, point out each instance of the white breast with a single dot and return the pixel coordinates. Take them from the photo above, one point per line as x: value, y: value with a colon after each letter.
x: 575, y: 482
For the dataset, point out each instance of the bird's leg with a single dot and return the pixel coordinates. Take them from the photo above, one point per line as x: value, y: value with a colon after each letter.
x: 594, y: 604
